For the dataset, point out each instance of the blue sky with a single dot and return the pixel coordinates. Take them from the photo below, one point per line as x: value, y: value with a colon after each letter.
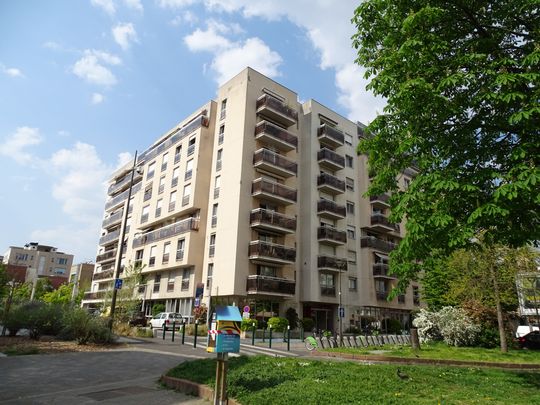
x: 85, y: 83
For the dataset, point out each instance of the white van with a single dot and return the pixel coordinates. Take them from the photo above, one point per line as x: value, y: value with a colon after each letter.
x: 522, y: 330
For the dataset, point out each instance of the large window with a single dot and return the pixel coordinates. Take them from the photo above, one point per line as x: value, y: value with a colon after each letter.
x: 152, y: 260
x: 212, y: 245
x: 166, y: 252
x: 223, y: 112
x: 189, y: 169
x: 172, y: 201
x: 151, y: 170
x: 157, y: 282
x: 164, y: 160
x: 186, y: 195
x: 180, y: 249
x: 159, y: 205
x: 327, y: 283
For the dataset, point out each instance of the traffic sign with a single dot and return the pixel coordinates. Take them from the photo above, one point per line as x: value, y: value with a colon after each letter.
x: 246, y: 308
x: 118, y: 283
x: 341, y: 312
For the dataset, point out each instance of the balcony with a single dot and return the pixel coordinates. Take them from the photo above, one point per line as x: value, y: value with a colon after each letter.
x: 96, y: 295
x: 275, y: 192
x: 328, y: 291
x: 123, y: 183
x: 183, y: 226
x: 107, y: 256
x: 331, y: 236
x: 276, y: 110
x: 110, y: 237
x: 330, y: 184
x: 330, y: 160
x: 331, y: 263
x: 376, y: 243
x: 381, y: 295
x: 330, y: 136
x: 270, y: 285
x: 381, y: 223
x: 114, y: 219
x: 262, y: 219
x: 269, y: 161
x: 260, y: 251
x: 329, y: 209
x: 120, y: 198
x: 381, y: 200
x: 102, y: 275
x: 381, y: 270
x: 273, y: 135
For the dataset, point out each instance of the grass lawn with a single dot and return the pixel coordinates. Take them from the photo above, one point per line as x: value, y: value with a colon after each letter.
x: 440, y: 350
x: 267, y: 380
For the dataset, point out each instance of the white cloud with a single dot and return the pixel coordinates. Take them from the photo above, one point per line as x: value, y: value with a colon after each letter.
x: 106, y: 5
x: 97, y: 98
x: 124, y: 34
x: 174, y: 3
x: 15, y: 146
x: 187, y: 17
x: 91, y: 67
x: 52, y: 45
x: 134, y: 5
x: 13, y: 72
x: 208, y: 40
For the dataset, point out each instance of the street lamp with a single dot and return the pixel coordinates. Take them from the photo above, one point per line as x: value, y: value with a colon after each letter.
x: 121, y: 244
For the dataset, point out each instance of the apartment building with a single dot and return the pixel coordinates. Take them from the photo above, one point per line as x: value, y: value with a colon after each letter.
x: 40, y: 260
x: 258, y: 199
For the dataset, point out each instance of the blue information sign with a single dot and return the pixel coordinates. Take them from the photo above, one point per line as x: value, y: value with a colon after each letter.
x: 118, y: 283
x: 341, y: 312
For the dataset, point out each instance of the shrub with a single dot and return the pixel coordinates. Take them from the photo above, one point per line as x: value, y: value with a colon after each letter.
x: 292, y: 317
x: 488, y: 338
x: 353, y: 329
x: 202, y: 330
x: 307, y: 323
x: 247, y: 324
x: 41, y: 318
x: 278, y: 324
x: 144, y: 332
x: 449, y: 324
x: 99, y: 331
x: 15, y: 320
x: 157, y: 308
x: 77, y: 326
x: 393, y: 327
x: 427, y: 324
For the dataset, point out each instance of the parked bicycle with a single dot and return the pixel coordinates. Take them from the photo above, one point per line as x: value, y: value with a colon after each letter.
x: 311, y: 343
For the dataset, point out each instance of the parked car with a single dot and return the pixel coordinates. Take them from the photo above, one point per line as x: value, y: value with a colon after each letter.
x: 165, y: 320
x: 530, y: 340
x: 522, y: 330
x: 138, y: 320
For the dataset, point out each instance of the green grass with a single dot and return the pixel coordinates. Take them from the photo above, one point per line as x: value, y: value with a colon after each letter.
x: 267, y: 380
x: 442, y: 351
x: 20, y: 350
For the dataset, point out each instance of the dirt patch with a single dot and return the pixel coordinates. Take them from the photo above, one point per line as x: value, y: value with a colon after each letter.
x: 47, y: 344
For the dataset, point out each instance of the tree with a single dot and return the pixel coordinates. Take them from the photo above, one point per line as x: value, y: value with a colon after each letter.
x: 461, y: 82
x: 62, y: 295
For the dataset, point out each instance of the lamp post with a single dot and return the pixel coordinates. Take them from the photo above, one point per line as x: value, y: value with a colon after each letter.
x: 339, y: 311
x: 121, y: 245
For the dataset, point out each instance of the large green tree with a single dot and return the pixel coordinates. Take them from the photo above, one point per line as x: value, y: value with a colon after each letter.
x: 461, y: 79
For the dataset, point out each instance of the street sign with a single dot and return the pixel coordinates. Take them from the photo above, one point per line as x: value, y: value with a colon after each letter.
x: 246, y: 308
x: 245, y: 315
x: 197, y: 302
x: 341, y: 312
x: 118, y: 283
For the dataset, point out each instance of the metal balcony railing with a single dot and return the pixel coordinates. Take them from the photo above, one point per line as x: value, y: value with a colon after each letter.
x: 332, y: 208
x: 183, y: 226
x: 331, y: 158
x: 276, y: 136
x: 267, y: 158
x: 328, y: 291
x: 123, y: 183
x: 111, y: 236
x: 96, y: 295
x: 102, y: 275
x: 122, y: 196
x: 265, y: 284
x: 273, y: 219
x: 260, y: 249
x: 113, y: 219
x: 382, y: 221
x: 276, y: 109
x: 330, y: 135
x: 327, y: 180
x: 269, y: 188
x: 331, y: 234
x: 331, y: 262
x: 108, y: 255
x: 376, y: 243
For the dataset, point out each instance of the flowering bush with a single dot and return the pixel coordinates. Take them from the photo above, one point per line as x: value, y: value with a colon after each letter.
x: 449, y: 324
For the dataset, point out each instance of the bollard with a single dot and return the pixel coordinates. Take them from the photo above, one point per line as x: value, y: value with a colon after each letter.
x: 183, y: 331
x: 288, y: 338
x: 164, y: 330
x: 253, y: 335
x: 195, y: 335
x: 270, y: 338
x: 173, y: 329
x: 264, y: 331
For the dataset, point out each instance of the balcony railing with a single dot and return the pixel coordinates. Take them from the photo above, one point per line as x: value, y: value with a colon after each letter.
x: 330, y: 159
x: 106, y: 256
x: 274, y: 163
x: 102, y: 275
x: 382, y: 270
x: 381, y: 199
x: 330, y: 184
x: 271, y: 252
x: 330, y: 136
x: 276, y: 136
x: 376, y: 243
x: 331, y: 209
x: 122, y: 196
x: 266, y: 219
x: 183, y: 226
x: 381, y: 295
x: 331, y: 263
x: 380, y: 221
x: 113, y: 219
x: 96, y: 295
x: 328, y: 291
x: 111, y: 236
x: 276, y: 109
x: 275, y: 191
x: 123, y: 183
x: 331, y: 235
x: 264, y: 284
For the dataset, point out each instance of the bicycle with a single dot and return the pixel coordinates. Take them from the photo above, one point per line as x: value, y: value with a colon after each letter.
x: 311, y: 343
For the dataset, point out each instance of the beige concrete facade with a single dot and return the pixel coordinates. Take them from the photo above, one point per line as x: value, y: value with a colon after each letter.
x: 275, y: 215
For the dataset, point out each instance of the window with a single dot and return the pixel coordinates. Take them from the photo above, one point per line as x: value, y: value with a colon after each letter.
x: 161, y: 187
x: 166, y: 252
x: 152, y: 260
x: 147, y: 192
x: 151, y: 170
x: 351, y: 256
x: 348, y: 139
x: 327, y: 284
x: 266, y: 271
x: 170, y: 283
x: 212, y: 247
x: 350, y: 208
x: 185, y: 279
x: 217, y: 183
x: 189, y: 169
x: 223, y: 112
x: 218, y: 159
x: 221, y: 134
x: 349, y: 161
x: 21, y: 256
x: 416, y: 295
x: 180, y: 249
x: 352, y: 283
x: 380, y: 286
x: 214, y: 215
x: 159, y: 205
x: 351, y: 232
x: 59, y: 271
x: 164, y: 160
x: 144, y: 216
x: 349, y: 184
x: 138, y: 257
x: 62, y: 260
x: 172, y: 201
x: 187, y: 194
x: 157, y: 282
x: 175, y: 173
x: 209, y: 275
x: 191, y: 146
x: 177, y: 154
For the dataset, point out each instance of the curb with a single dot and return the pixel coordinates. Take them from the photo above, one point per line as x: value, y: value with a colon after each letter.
x: 433, y: 362
x: 192, y: 388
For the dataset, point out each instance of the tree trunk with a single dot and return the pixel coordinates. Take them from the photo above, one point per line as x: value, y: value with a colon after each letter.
x: 500, y: 321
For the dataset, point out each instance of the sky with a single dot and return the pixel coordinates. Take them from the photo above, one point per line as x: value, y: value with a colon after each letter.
x: 86, y: 83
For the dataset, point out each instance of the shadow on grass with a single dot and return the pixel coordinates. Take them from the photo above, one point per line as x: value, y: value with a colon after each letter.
x: 530, y: 379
